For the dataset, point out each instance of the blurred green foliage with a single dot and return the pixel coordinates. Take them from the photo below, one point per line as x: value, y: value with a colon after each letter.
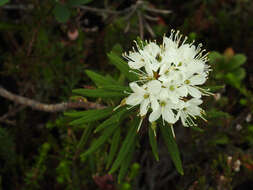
x: 48, y: 48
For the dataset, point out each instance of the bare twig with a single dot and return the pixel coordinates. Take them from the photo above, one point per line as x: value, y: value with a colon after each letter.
x: 141, y: 25
x: 149, y: 29
x: 127, y: 27
x: 47, y: 107
x: 18, y: 7
x: 154, y: 10
x: 151, y: 18
x: 108, y: 11
x: 29, y: 50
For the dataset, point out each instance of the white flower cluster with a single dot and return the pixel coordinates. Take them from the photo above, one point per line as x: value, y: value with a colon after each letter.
x: 169, y: 76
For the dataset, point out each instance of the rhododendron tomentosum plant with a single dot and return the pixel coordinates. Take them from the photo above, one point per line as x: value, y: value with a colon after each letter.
x: 164, y: 87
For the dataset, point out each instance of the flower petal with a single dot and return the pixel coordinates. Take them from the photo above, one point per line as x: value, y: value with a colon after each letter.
x: 198, y: 79
x: 154, y: 103
x: 195, y: 101
x: 154, y: 87
x: 168, y: 115
x: 194, y: 110
x: 136, y: 64
x: 144, y: 107
x: 194, y: 92
x: 136, y: 88
x: 134, y: 99
x: 182, y: 91
x: 163, y: 94
x: 148, y: 69
x: 155, y: 115
x: 174, y: 97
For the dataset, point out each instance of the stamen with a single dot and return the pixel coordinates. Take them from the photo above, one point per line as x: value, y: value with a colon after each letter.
x: 117, y: 107
x: 139, y: 126
x: 172, y: 129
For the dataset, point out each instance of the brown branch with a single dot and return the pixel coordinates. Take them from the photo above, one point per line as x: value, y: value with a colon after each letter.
x: 102, y: 11
x: 154, y: 10
x: 48, y: 107
x: 149, y: 29
x: 140, y: 25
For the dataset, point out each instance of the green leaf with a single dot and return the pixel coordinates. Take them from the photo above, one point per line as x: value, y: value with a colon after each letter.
x: 114, y: 147
x: 232, y: 80
x: 214, y: 57
x: 250, y: 129
x: 100, y: 141
x: 99, y: 93
x: 126, y: 146
x: 115, y: 118
x: 236, y: 61
x: 99, y: 80
x: 197, y: 129
x: 172, y: 147
x: 213, y: 113
x: 153, y: 143
x: 135, y: 168
x: 121, y: 65
x: 116, y: 88
x: 125, y: 164
x: 221, y: 139
x: 214, y: 88
x: 240, y: 73
x: 84, y: 137
x: 3, y: 2
x: 89, y: 116
x: 61, y: 13
x: 78, y: 2
x: 88, y: 113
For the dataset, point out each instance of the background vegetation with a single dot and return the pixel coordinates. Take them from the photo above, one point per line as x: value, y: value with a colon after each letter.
x: 46, y: 47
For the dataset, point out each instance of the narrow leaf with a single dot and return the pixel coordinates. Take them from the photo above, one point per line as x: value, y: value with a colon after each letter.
x: 121, y: 65
x: 114, y: 147
x: 153, y: 143
x: 100, y: 80
x: 214, y: 88
x: 126, y: 146
x: 116, y: 88
x: 172, y: 147
x: 84, y: 137
x: 197, y: 129
x: 115, y: 118
x: 88, y: 113
x: 100, y: 141
x: 92, y: 116
x: 99, y: 93
x: 125, y: 164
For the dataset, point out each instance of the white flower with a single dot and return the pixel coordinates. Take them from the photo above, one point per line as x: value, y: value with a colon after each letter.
x: 169, y: 82
x: 191, y: 82
x: 145, y: 96
x: 188, y: 110
x: 164, y: 110
x: 136, y: 60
